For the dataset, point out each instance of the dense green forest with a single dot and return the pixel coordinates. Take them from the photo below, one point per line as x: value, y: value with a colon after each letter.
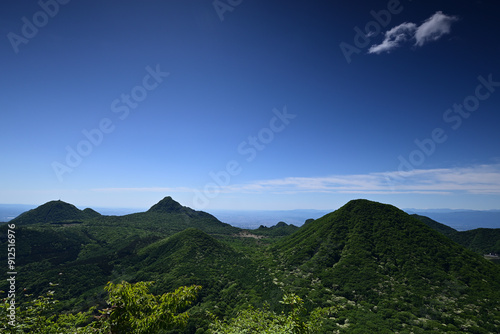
x: 364, y: 268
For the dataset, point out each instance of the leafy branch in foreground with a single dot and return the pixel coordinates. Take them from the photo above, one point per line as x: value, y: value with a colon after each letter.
x: 132, y: 310
x: 135, y: 310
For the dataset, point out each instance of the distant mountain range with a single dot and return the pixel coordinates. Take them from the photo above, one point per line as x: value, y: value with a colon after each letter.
x: 252, y: 219
x: 378, y: 268
x: 462, y: 220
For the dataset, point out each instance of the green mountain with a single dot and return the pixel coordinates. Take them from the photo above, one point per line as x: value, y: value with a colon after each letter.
x: 167, y: 217
x: 393, y: 267
x: 376, y: 268
x: 278, y: 230
x: 55, y: 212
x: 82, y: 250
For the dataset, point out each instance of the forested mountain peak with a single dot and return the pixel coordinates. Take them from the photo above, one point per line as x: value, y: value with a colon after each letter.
x: 168, y: 205
x: 54, y: 212
x: 378, y: 254
x: 360, y: 224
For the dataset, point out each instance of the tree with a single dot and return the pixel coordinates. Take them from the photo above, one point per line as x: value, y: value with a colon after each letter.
x: 134, y: 310
x: 38, y: 316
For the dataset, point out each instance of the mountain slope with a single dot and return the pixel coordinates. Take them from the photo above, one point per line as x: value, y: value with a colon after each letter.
x: 392, y: 264
x: 480, y: 240
x: 445, y: 229
x: 193, y: 257
x: 229, y: 279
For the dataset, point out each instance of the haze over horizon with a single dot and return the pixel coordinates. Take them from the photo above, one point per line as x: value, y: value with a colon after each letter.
x: 251, y: 106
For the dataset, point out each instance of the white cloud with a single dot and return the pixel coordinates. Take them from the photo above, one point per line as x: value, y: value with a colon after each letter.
x: 394, y: 37
x: 480, y: 179
x: 432, y: 29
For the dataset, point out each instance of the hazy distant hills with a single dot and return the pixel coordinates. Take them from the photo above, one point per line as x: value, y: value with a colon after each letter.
x: 252, y: 219
x: 382, y: 269
x: 462, y: 220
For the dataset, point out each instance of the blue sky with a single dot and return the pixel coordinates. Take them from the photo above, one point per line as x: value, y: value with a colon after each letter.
x: 250, y: 104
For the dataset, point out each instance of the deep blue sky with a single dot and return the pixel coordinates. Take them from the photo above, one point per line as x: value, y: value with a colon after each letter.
x: 326, y: 128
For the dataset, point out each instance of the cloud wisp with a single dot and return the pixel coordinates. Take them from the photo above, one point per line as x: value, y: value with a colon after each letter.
x: 480, y: 179
x: 432, y: 29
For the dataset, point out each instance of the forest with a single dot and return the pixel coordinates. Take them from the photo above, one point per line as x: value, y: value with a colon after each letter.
x: 366, y: 267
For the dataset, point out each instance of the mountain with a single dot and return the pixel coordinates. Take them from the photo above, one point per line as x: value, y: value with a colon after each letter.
x: 168, y: 205
x: 480, y: 240
x: 392, y: 266
x: 81, y: 250
x: 54, y: 212
x: 278, y: 230
x: 375, y: 268
x: 170, y: 217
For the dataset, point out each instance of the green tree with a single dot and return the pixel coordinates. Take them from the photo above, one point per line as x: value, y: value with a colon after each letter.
x: 134, y: 310
x: 268, y: 322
